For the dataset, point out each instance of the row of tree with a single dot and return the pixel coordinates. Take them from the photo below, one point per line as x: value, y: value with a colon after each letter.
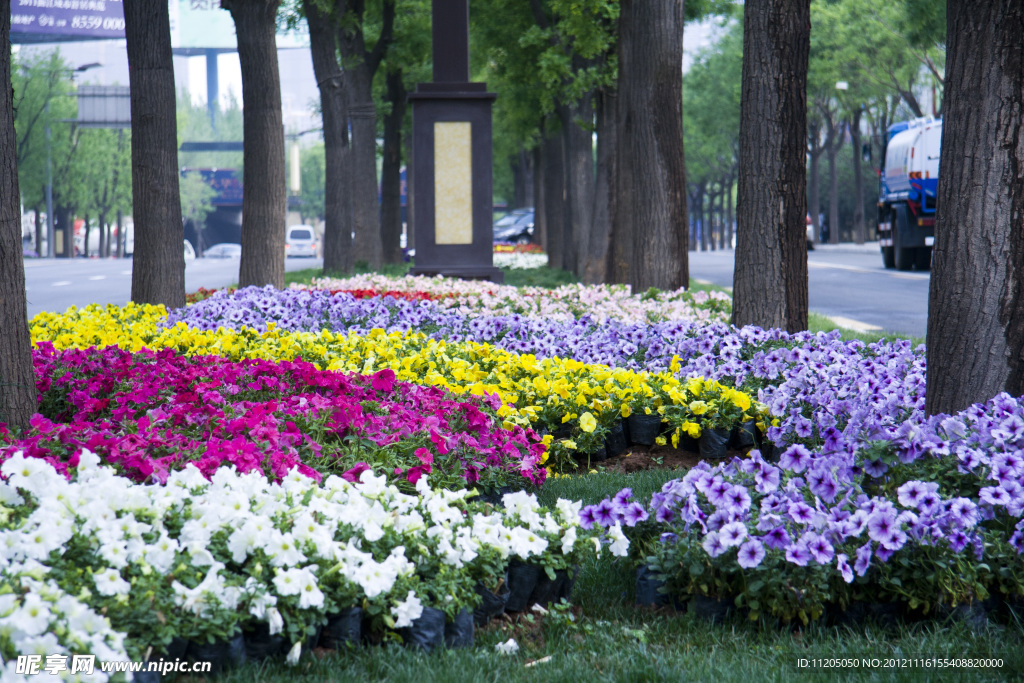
x: 88, y: 169
x: 614, y: 68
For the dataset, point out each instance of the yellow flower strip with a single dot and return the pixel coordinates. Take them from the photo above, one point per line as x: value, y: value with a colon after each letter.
x: 538, y: 392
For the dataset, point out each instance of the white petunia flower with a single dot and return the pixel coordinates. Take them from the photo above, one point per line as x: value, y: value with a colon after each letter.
x: 109, y: 582
x: 509, y: 647
x: 620, y: 544
x: 407, y: 611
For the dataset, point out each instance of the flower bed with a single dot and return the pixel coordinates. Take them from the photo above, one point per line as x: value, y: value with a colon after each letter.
x: 568, y: 302
x: 214, y: 558
x: 926, y: 530
x: 547, y: 394
x: 150, y: 413
x: 515, y: 248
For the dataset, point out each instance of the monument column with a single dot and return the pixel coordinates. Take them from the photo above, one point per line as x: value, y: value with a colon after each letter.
x: 452, y: 157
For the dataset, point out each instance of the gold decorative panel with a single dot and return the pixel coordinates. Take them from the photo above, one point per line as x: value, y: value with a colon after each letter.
x: 453, y: 182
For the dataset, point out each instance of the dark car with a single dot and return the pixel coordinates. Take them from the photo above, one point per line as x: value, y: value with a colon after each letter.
x: 515, y: 227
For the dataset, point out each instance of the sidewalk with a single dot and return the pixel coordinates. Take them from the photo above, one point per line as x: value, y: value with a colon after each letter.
x: 848, y: 248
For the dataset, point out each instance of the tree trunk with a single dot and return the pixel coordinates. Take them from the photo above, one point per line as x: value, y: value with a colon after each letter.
x: 17, y: 378
x: 579, y: 180
x: 770, y: 281
x: 595, y: 270
x: 815, y: 194
x: 391, y: 170
x: 360, y: 67
x: 730, y: 213
x: 39, y: 231
x: 859, y: 229
x: 554, y: 200
x: 976, y: 342
x: 523, y: 180
x: 540, y: 221
x: 265, y: 199
x: 85, y: 236
x: 705, y: 216
x: 158, y: 265
x: 833, y: 186
x: 337, y: 195
x: 651, y: 177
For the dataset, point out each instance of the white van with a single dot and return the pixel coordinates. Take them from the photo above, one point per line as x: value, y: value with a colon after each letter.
x: 300, y: 240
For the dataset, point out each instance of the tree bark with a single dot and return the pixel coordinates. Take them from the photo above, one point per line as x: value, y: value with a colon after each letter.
x: 595, y: 270
x: 770, y: 281
x: 976, y: 340
x: 264, y: 199
x: 158, y: 264
x: 523, y: 180
x: 554, y: 200
x: 360, y: 67
x: 832, y: 151
x: 859, y: 228
x: 17, y: 378
x: 651, y: 236
x: 579, y: 180
x: 391, y: 170
x: 540, y: 221
x: 337, y: 194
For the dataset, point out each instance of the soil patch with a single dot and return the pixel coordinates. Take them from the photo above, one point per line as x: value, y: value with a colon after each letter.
x: 638, y: 458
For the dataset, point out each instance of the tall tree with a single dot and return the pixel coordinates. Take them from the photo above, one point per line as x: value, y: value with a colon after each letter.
x: 360, y: 63
x: 976, y: 341
x: 323, y: 33
x: 265, y: 199
x: 770, y: 280
x: 17, y: 378
x: 158, y: 267
x: 650, y: 237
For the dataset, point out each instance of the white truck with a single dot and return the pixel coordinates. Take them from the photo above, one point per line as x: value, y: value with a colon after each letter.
x: 906, y: 202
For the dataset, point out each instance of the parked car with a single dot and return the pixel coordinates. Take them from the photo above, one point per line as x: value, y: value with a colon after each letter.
x: 300, y: 240
x: 224, y: 250
x: 516, y: 227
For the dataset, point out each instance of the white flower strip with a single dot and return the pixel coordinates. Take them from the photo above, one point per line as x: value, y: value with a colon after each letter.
x: 239, y: 550
x: 565, y: 303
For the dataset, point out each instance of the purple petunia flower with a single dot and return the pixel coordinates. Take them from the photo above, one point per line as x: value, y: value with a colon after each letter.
x: 778, y: 538
x: 621, y: 498
x: 750, y: 554
x: 909, y: 495
x: 733, y: 534
x: 634, y: 514
x: 737, y: 500
x: 588, y: 517
x: 843, y: 565
x: 795, y: 458
x: 798, y: 554
x: 994, y: 495
x: 716, y: 492
x: 875, y: 468
x: 713, y: 545
x: 820, y: 549
x: 863, y: 560
x: 881, y: 525
x: 801, y: 513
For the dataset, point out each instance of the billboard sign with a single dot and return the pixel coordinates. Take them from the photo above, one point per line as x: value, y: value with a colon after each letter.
x: 46, y: 21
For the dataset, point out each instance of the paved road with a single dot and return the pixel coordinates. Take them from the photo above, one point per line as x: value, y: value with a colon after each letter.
x: 847, y: 283
x: 56, y: 284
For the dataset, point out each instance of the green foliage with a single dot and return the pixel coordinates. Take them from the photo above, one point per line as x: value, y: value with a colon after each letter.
x: 313, y: 180
x: 40, y: 80
x: 196, y: 199
x: 711, y: 108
